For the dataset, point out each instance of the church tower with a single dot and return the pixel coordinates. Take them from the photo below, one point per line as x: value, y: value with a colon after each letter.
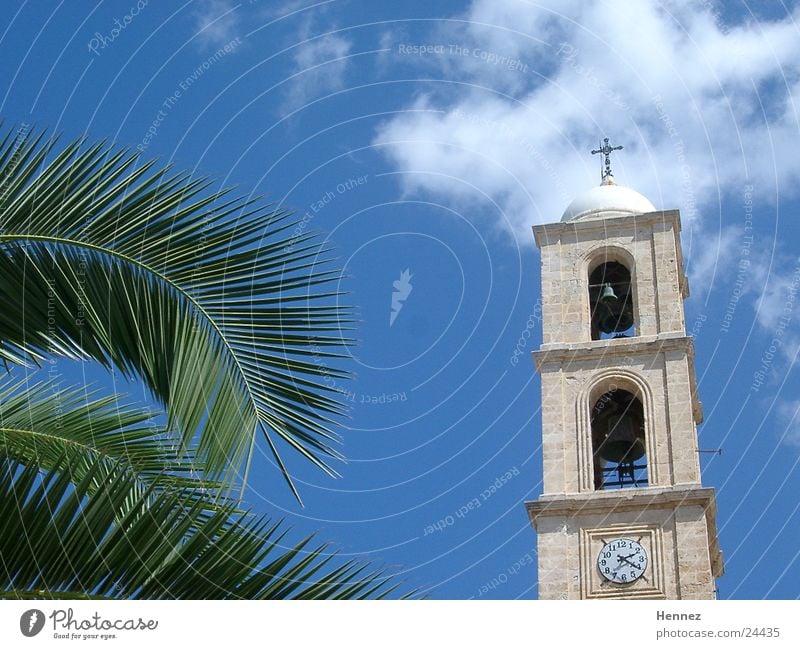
x: 623, y: 514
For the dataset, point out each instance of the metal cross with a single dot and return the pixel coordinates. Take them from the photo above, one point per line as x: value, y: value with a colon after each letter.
x: 606, y: 151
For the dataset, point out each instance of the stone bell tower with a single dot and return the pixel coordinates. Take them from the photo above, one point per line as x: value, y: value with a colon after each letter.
x: 623, y: 513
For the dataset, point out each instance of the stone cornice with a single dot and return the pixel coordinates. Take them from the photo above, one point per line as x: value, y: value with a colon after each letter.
x: 551, y: 232
x: 622, y: 500
x: 604, y: 349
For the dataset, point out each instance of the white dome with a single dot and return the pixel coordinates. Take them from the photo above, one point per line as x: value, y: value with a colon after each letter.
x: 608, y: 199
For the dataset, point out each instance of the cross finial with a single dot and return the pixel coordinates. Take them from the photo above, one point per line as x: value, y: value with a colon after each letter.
x: 606, y: 150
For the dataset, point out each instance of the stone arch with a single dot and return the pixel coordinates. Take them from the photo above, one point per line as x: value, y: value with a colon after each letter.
x: 618, y: 378
x: 615, y: 257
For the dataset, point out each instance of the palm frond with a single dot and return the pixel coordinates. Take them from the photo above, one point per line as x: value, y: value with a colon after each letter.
x: 218, y: 304
x: 60, y: 538
x: 43, y: 423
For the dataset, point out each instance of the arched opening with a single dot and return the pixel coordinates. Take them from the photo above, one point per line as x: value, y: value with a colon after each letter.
x: 618, y: 441
x: 611, y: 301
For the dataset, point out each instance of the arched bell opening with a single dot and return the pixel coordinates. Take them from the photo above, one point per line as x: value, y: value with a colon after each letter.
x: 618, y: 441
x: 611, y: 301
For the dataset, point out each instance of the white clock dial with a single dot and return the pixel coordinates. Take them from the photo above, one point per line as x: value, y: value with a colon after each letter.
x: 622, y: 561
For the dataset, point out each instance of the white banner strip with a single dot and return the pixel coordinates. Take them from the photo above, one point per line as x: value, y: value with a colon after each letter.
x: 352, y: 625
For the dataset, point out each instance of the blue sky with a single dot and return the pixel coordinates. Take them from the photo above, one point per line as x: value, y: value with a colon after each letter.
x: 429, y: 137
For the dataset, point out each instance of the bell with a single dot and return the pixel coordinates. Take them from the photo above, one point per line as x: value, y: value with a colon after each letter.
x: 617, y: 315
x: 621, y: 443
x: 608, y: 295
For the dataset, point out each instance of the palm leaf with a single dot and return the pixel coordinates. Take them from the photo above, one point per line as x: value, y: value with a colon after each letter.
x: 61, y: 538
x: 217, y: 304
x: 43, y: 423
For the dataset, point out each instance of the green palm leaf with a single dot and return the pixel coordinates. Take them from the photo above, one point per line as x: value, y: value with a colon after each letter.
x: 45, y: 424
x: 216, y: 303
x: 61, y: 538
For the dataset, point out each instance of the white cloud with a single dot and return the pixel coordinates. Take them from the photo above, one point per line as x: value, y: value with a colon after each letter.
x: 777, y: 293
x: 686, y: 96
x: 320, y: 67
x: 216, y: 22
x: 709, y: 259
x: 778, y: 307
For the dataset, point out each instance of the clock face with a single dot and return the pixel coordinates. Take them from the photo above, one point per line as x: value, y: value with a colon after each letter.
x: 622, y: 561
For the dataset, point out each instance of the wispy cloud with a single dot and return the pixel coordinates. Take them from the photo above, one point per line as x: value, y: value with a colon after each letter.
x: 216, y: 22
x: 709, y: 258
x: 320, y: 66
x: 778, y: 306
x: 701, y: 107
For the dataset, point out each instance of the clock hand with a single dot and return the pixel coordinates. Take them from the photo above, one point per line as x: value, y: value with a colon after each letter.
x: 620, y: 558
x: 629, y: 562
x: 619, y: 566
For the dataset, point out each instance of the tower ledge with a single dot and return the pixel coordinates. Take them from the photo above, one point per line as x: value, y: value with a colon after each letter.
x: 550, y: 232
x: 622, y: 499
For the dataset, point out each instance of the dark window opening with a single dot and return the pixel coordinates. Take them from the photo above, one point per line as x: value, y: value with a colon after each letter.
x: 618, y: 441
x: 611, y: 301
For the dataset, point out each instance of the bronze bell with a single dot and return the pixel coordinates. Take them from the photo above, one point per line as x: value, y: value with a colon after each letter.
x: 621, y: 443
x: 618, y: 314
x: 608, y: 295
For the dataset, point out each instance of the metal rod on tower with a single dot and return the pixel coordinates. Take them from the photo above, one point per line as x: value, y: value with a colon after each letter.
x: 606, y: 150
